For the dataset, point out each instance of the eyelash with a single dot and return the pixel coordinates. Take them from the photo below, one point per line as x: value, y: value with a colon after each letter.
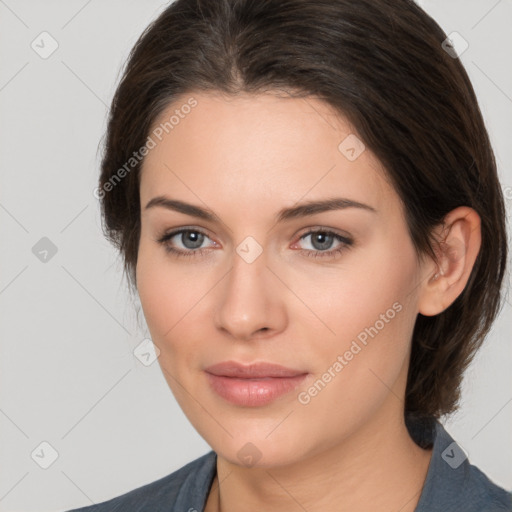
x: 347, y: 243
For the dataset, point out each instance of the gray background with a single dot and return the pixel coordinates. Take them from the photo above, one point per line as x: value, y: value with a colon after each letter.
x: 68, y: 375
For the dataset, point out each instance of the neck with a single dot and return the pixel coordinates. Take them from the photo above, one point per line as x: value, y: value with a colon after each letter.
x: 379, y: 467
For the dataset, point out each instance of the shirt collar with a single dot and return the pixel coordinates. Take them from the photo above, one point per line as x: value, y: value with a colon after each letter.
x: 449, y: 469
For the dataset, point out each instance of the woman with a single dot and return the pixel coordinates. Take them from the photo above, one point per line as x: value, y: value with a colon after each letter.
x: 307, y: 203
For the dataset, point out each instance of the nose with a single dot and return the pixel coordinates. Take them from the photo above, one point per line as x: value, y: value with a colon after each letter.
x: 251, y: 300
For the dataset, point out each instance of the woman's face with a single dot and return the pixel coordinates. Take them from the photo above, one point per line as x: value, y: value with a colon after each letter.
x: 330, y: 294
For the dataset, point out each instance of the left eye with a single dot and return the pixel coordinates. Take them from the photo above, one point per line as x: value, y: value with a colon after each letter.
x: 322, y: 240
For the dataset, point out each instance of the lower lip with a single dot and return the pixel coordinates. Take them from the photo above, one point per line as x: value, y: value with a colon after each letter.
x: 253, y: 392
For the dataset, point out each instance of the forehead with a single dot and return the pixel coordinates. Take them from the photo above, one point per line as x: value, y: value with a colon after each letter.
x: 257, y: 147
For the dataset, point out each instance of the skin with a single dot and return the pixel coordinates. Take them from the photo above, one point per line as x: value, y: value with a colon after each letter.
x: 245, y: 158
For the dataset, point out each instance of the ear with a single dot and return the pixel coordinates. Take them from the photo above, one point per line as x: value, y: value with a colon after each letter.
x: 459, y: 241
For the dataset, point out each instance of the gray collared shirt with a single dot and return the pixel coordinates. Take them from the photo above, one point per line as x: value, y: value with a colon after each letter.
x: 452, y: 483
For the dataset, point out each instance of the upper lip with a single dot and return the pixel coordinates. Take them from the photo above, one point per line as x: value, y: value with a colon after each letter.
x: 234, y: 369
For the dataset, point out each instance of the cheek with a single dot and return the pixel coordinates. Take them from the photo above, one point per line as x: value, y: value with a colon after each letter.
x: 347, y: 299
x: 359, y: 368
x: 363, y: 311
x: 167, y: 299
x: 162, y: 289
x: 172, y: 297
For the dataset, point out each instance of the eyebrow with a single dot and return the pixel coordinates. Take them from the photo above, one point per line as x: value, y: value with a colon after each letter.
x: 302, y: 210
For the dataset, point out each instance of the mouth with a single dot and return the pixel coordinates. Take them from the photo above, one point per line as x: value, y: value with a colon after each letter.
x: 252, y: 385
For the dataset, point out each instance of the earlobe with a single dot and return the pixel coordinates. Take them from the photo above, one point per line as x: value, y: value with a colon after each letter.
x: 456, y: 255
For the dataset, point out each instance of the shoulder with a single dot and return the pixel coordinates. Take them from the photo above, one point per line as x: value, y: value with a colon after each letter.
x: 453, y: 483
x: 163, y: 492
x: 482, y: 494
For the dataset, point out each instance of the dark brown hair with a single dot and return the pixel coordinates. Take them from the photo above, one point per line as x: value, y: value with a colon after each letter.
x: 381, y: 64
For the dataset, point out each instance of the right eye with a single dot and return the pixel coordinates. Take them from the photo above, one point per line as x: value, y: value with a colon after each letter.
x: 190, y: 240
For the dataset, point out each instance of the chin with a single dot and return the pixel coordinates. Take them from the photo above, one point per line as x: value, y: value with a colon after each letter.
x: 257, y: 451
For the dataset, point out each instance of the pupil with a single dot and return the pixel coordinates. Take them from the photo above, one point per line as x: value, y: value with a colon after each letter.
x: 192, y: 239
x: 323, y: 239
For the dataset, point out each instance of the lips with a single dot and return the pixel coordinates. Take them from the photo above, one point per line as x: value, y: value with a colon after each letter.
x: 252, y: 385
x: 253, y: 371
